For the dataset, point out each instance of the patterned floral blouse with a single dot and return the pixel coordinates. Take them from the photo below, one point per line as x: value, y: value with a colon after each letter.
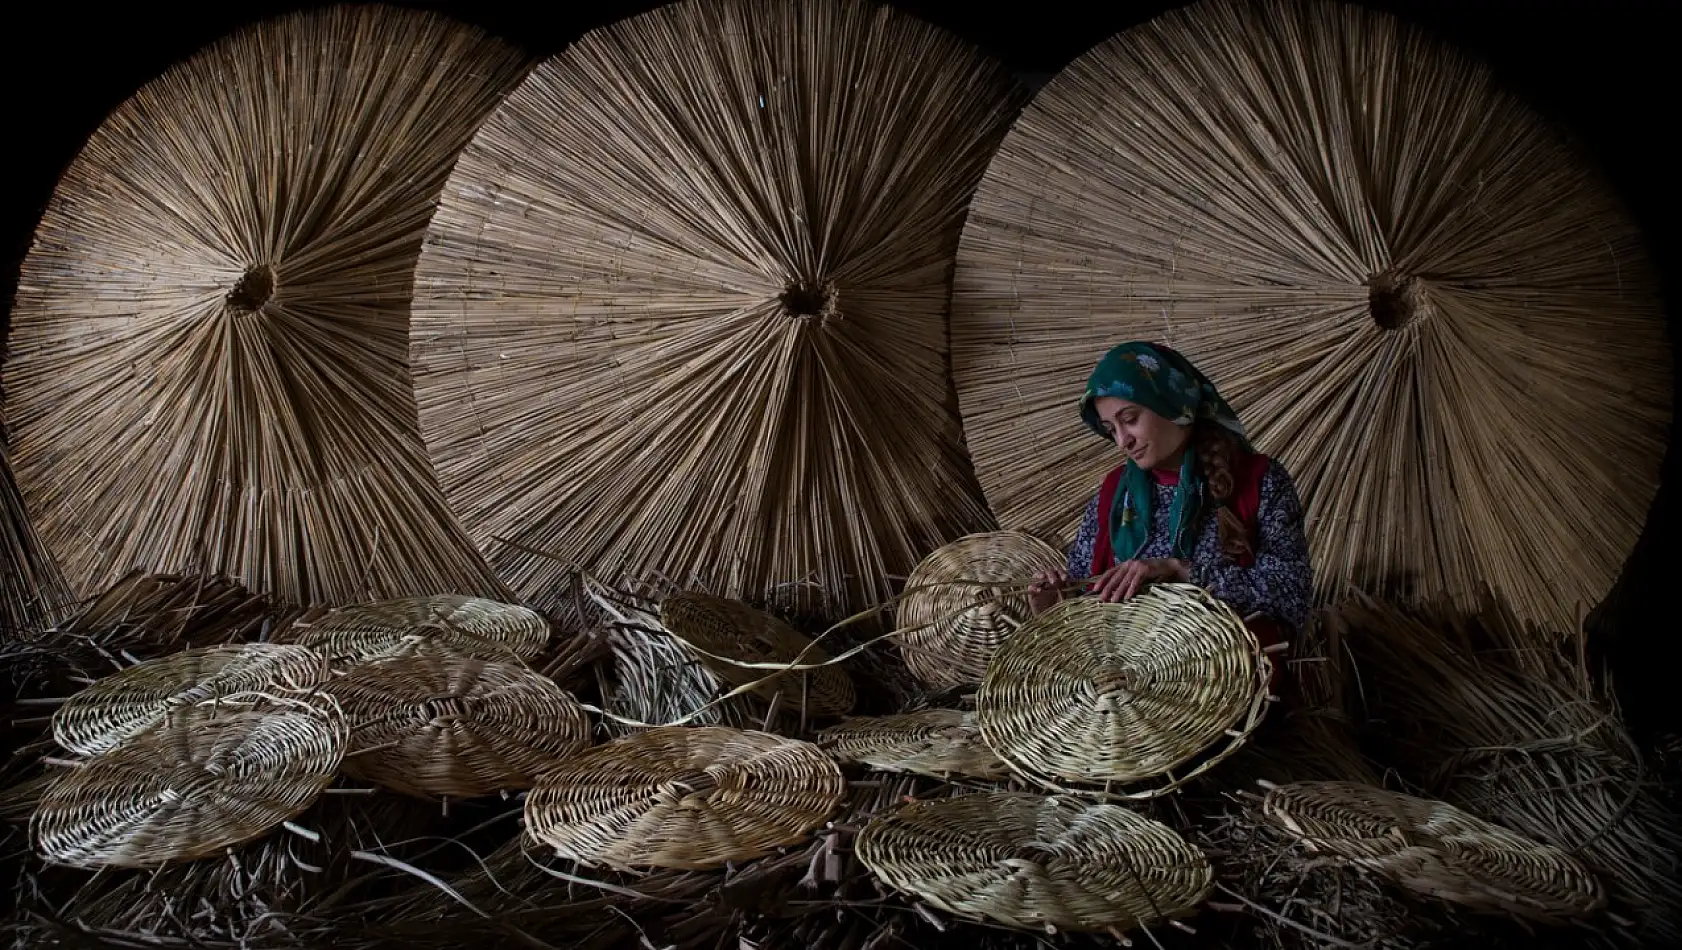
x: 1279, y: 584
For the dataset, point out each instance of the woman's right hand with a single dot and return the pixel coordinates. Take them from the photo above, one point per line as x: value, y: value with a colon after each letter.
x: 1047, y: 589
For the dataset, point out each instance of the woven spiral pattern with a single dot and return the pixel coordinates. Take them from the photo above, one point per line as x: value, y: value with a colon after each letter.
x: 208, y: 367
x: 954, y: 628
x: 682, y: 308
x: 680, y: 797
x: 1095, y: 692
x: 1389, y: 264
x: 440, y: 725
x: 122, y: 705
x: 1435, y: 849
x: 723, y: 630
x: 204, y: 780
x: 1035, y: 862
x: 470, y: 626
x: 938, y: 742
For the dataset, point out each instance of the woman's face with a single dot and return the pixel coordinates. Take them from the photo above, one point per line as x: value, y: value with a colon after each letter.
x: 1150, y: 440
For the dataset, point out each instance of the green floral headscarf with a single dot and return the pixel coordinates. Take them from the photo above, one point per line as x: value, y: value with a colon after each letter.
x: 1166, y: 383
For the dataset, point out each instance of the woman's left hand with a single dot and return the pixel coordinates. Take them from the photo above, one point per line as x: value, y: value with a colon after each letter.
x: 1128, y: 578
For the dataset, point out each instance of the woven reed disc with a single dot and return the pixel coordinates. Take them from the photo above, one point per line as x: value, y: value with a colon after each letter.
x: 208, y: 363
x: 468, y: 626
x: 1096, y: 692
x: 1435, y: 849
x: 33, y: 592
x: 122, y: 705
x: 722, y: 630
x: 1032, y: 861
x: 953, y: 639
x: 1387, y: 262
x: 684, y: 797
x: 937, y: 742
x: 682, y: 307
x: 203, y: 780
x: 439, y: 725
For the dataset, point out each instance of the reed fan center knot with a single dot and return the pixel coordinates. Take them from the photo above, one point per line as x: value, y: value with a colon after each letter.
x: 1115, y: 680
x: 1397, y: 300
x: 254, y: 288
x: 810, y: 300
x: 448, y: 708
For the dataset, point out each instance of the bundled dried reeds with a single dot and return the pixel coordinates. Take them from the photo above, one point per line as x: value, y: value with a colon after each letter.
x: 1526, y: 743
x: 208, y: 365
x: 1388, y: 263
x: 683, y: 304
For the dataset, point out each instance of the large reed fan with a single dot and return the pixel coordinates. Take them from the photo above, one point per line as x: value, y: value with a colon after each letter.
x: 683, y: 306
x: 209, y: 353
x: 1412, y: 289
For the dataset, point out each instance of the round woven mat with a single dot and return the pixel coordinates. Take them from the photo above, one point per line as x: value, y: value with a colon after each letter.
x: 1095, y: 692
x: 938, y: 742
x: 722, y: 630
x: 439, y: 725
x: 468, y: 626
x: 206, y: 779
x: 1031, y: 861
x: 1435, y: 849
x: 122, y: 705
x: 681, y: 797
x: 958, y: 626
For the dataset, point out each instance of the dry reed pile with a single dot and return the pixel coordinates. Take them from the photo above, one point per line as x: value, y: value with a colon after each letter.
x: 208, y: 363
x: 1389, y: 264
x: 1525, y: 742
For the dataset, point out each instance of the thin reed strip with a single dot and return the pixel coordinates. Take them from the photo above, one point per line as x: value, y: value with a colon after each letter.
x: 208, y: 368
x: 683, y: 304
x: 1391, y: 266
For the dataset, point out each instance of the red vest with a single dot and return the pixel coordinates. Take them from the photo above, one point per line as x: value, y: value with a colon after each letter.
x: 1248, y: 468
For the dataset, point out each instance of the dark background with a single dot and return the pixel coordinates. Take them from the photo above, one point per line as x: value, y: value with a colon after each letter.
x: 1605, y: 70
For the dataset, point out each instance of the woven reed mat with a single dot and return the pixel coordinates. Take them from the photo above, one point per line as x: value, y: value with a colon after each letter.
x: 122, y: 705
x: 1095, y: 692
x: 722, y: 631
x: 439, y: 725
x: 1435, y: 849
x: 208, y: 778
x: 682, y: 797
x: 1037, y: 862
x: 470, y: 626
x: 953, y: 629
x: 937, y: 742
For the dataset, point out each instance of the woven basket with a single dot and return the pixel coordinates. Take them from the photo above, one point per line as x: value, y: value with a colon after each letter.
x: 438, y: 725
x: 1036, y: 862
x: 937, y: 742
x: 680, y: 797
x: 122, y: 705
x: 460, y: 727
x: 953, y: 629
x: 1435, y: 849
x: 469, y: 626
x: 206, y: 779
x: 1096, y: 692
x: 722, y: 631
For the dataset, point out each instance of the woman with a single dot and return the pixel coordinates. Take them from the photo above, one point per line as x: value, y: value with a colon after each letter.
x: 1190, y: 502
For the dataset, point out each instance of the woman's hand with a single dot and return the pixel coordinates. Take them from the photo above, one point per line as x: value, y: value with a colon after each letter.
x: 1128, y: 578
x: 1046, y: 590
